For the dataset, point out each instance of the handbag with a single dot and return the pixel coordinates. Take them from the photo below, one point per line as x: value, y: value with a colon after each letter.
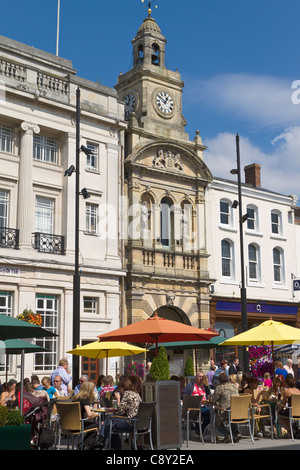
x: 46, y: 437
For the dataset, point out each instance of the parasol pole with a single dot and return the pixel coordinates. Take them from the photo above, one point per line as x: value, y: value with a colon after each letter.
x: 273, y: 363
x: 22, y: 380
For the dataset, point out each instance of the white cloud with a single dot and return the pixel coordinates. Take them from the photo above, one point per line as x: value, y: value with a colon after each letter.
x: 263, y: 104
x: 280, y: 169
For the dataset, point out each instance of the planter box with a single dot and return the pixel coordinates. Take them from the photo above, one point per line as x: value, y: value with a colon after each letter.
x: 15, y: 437
x: 166, y: 423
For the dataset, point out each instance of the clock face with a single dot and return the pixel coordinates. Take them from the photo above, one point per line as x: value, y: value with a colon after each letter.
x: 165, y: 103
x: 130, y: 103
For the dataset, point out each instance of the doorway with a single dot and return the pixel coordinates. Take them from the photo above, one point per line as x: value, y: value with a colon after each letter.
x: 91, y: 367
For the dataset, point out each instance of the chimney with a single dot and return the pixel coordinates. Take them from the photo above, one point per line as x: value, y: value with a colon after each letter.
x: 252, y: 174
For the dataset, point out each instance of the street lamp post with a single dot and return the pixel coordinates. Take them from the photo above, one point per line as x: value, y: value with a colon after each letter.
x: 242, y: 219
x: 76, y: 277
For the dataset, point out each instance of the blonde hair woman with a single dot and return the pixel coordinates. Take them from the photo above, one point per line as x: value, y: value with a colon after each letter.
x: 86, y: 396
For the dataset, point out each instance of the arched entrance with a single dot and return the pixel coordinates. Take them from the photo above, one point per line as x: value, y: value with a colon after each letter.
x: 173, y: 313
x: 177, y: 355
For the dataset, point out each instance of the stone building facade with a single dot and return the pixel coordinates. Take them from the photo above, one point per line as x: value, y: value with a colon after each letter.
x: 165, y: 180
x: 37, y: 217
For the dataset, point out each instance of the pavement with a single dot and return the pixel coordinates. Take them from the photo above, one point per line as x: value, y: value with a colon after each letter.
x: 245, y: 444
x: 263, y: 443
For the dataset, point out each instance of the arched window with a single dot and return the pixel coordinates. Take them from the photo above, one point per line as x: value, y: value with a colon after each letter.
x: 254, y: 262
x: 227, y: 259
x: 252, y: 220
x: 276, y: 222
x: 140, y: 53
x: 226, y: 213
x: 186, y: 224
x: 167, y: 222
x: 155, y: 54
x: 278, y: 268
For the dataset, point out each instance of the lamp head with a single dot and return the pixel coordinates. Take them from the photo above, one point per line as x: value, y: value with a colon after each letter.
x: 87, y: 151
x: 234, y: 171
x: 70, y: 170
x: 244, y: 218
x: 235, y: 204
x: 84, y: 193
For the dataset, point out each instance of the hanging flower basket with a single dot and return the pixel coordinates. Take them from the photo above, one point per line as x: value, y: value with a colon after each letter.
x: 135, y: 369
x: 30, y: 317
x: 260, y: 358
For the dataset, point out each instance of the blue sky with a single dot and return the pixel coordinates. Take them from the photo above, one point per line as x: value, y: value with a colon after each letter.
x: 238, y: 61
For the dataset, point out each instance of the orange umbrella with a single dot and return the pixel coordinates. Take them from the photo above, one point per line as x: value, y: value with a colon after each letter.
x: 148, y: 331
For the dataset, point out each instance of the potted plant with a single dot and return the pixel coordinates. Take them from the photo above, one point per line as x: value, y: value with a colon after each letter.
x: 189, y: 367
x: 14, y: 433
x: 160, y: 366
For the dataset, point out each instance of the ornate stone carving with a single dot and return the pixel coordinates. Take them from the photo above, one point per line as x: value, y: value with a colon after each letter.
x: 166, y: 159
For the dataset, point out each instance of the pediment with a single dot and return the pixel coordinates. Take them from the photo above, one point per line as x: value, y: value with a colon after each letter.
x: 170, y: 158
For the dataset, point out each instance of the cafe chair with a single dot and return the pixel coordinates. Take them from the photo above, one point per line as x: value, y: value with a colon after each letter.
x: 294, y: 412
x: 191, y: 414
x: 142, y: 424
x: 261, y: 411
x: 238, y: 413
x: 55, y: 417
x: 70, y: 423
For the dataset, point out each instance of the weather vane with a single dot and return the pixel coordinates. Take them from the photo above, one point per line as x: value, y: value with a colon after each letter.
x: 150, y: 2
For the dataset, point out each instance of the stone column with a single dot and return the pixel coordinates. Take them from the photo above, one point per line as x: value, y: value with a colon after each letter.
x: 113, y: 209
x: 200, y: 222
x: 26, y: 203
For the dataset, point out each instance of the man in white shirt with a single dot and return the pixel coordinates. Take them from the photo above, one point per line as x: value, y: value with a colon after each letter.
x: 57, y: 381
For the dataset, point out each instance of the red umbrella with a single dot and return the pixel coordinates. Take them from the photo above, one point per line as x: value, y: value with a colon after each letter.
x: 148, y: 331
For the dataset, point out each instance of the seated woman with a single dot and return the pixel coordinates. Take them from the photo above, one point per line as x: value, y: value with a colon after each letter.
x: 244, y: 382
x: 8, y: 394
x: 86, y: 397
x: 283, y: 411
x: 252, y: 387
x: 136, y: 383
x: 129, y: 406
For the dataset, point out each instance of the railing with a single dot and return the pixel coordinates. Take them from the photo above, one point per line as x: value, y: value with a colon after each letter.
x: 148, y: 257
x: 169, y: 260
x: 9, y: 238
x: 49, y: 243
x: 50, y: 83
x: 12, y: 70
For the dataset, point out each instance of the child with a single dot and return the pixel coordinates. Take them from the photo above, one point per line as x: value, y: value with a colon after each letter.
x: 267, y: 382
x: 52, y: 392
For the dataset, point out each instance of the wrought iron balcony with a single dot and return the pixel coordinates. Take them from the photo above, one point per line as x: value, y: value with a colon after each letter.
x: 49, y: 243
x: 9, y: 237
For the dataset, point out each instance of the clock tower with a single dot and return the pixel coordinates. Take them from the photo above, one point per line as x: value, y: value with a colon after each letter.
x: 165, y: 181
x: 152, y: 94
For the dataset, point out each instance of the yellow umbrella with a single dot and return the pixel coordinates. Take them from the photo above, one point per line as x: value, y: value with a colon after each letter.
x: 269, y: 333
x: 106, y: 349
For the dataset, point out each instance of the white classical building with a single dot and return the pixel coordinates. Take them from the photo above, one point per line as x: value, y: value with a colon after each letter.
x: 270, y: 257
x: 37, y: 199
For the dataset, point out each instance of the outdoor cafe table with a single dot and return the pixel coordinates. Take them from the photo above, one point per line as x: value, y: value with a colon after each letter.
x: 103, y: 412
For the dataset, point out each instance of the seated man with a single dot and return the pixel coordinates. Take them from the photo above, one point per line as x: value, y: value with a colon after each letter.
x: 221, y: 399
x: 198, y: 388
x: 61, y: 392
